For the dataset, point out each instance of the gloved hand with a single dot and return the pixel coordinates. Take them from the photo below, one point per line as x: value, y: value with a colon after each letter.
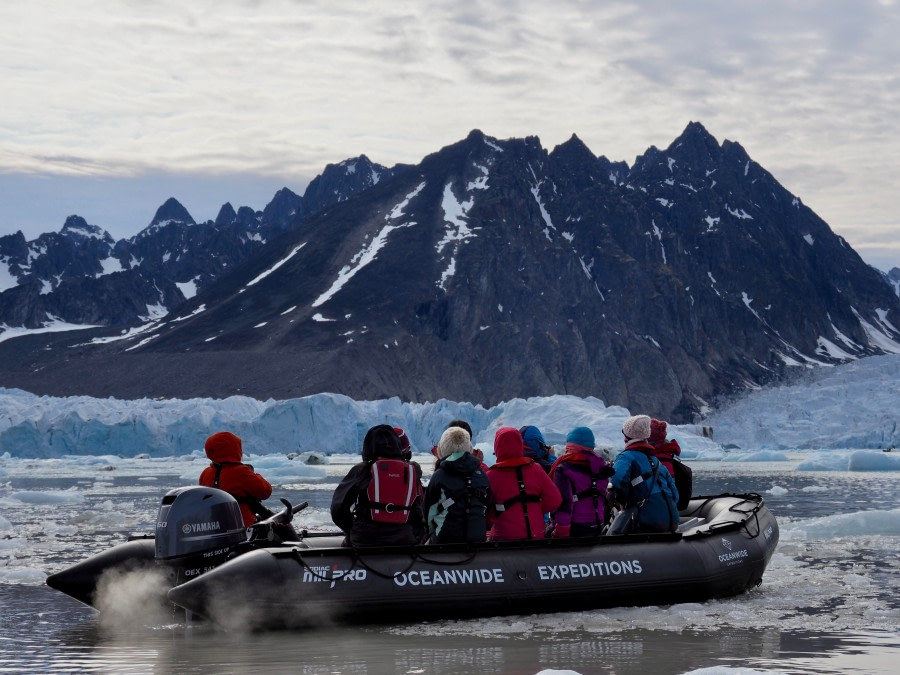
x: 561, y: 531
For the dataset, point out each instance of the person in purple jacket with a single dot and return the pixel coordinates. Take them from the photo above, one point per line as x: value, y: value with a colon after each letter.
x: 582, y: 477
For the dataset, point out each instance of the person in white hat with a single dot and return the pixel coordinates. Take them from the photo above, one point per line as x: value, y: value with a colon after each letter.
x: 642, y: 486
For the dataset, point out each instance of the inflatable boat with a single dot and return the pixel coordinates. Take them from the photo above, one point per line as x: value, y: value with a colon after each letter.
x: 258, y: 579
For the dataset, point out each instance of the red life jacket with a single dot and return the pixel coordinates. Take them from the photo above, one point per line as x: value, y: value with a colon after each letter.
x: 392, y: 491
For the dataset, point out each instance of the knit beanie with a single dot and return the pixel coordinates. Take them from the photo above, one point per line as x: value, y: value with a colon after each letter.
x: 581, y: 436
x: 454, y: 439
x: 462, y: 424
x: 404, y: 439
x: 657, y: 431
x: 637, y: 428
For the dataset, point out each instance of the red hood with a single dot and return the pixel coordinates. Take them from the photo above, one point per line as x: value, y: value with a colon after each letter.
x: 508, y: 443
x: 224, y: 446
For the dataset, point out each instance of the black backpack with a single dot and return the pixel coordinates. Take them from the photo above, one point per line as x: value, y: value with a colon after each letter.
x: 684, y: 482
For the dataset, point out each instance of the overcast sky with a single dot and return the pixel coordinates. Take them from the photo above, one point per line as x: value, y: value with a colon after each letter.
x: 109, y: 108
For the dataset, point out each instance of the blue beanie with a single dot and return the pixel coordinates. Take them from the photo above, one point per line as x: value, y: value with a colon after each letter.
x: 581, y: 436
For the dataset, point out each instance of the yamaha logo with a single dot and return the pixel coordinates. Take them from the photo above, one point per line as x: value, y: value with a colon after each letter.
x: 193, y: 528
x: 726, y: 543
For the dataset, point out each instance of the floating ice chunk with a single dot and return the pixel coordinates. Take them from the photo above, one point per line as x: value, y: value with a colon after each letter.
x: 761, y: 456
x: 310, y: 458
x: 704, y: 455
x: 70, y: 496
x: 777, y: 491
x: 279, y: 467
x: 724, y: 670
x: 869, y: 460
x: 102, y: 519
x: 22, y: 575
x: 12, y: 544
x: 855, y: 580
x: 857, y: 524
x: 825, y: 461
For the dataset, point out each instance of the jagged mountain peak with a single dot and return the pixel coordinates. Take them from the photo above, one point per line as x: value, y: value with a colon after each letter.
x: 352, y: 164
x: 695, y: 148
x: 227, y: 215
x: 286, y: 193
x: 172, y: 211
x: 695, y: 132
x: 475, y: 136
x: 893, y: 279
x: 79, y: 230
x: 735, y: 151
x: 574, y: 146
x: 578, y: 165
x: 247, y: 217
x: 487, y: 248
x: 286, y: 206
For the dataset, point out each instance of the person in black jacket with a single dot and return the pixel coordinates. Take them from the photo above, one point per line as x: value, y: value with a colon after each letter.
x: 352, y: 509
x: 458, y: 493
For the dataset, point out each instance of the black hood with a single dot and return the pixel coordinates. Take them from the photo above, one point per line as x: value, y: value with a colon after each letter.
x: 381, y: 442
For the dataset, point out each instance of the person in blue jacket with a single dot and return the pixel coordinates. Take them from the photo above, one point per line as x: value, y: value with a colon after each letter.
x: 642, y: 485
x: 536, y: 447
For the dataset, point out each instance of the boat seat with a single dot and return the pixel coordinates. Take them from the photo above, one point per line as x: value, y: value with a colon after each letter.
x: 322, y: 542
x: 690, y: 523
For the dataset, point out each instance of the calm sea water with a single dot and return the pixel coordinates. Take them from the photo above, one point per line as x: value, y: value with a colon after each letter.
x: 829, y: 602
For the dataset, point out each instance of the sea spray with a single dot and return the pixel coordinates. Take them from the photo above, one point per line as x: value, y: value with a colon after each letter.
x: 135, y: 597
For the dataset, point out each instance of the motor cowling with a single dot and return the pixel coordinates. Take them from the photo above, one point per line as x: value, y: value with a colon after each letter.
x: 197, y: 529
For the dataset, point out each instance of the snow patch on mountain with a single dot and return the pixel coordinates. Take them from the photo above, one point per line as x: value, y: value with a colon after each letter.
x: 876, y: 337
x: 7, y: 280
x: 456, y: 231
x: 828, y: 348
x: 274, y: 267
x: 188, y: 288
x: 360, y: 260
x: 739, y: 213
x: 397, y: 211
x: 52, y: 325
x: 536, y: 193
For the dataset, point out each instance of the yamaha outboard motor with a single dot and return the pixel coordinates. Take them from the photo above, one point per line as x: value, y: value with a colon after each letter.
x: 196, y: 530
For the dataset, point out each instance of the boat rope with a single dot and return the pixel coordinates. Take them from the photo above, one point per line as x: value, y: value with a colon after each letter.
x: 358, y: 559
x: 748, y: 508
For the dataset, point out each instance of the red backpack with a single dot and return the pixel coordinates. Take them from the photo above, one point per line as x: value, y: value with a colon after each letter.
x: 392, y: 491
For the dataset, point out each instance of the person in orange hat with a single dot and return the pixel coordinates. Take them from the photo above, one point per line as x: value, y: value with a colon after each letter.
x: 227, y: 472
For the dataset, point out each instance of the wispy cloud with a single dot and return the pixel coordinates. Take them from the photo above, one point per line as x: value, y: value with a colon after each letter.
x: 280, y: 87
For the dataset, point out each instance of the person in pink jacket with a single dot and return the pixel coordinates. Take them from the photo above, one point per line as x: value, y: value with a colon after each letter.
x: 521, y: 491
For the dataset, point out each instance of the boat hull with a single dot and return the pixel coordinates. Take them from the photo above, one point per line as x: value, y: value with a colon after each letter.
x: 298, y: 586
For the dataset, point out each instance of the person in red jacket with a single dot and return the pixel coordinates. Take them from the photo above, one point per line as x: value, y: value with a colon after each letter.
x: 662, y: 448
x: 521, y: 491
x: 227, y: 473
